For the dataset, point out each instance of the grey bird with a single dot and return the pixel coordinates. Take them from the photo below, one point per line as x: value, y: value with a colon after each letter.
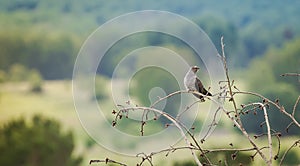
x: 192, y: 83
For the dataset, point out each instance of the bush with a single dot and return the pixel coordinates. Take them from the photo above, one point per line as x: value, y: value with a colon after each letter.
x: 35, y: 81
x: 17, y: 73
x: 40, y: 142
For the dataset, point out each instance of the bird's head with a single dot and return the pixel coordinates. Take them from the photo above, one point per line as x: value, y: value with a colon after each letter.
x: 195, y: 69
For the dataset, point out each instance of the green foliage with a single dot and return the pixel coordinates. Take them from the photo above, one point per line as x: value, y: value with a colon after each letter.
x: 264, y: 77
x: 35, y: 81
x: 185, y: 163
x: 18, y: 73
x: 215, y: 27
x: 89, y: 142
x: 101, y: 87
x: 40, y: 142
x: 291, y: 158
x: 27, y: 27
x: 52, y: 55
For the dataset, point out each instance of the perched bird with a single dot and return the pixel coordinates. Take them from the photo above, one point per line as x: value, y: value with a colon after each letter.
x: 192, y: 83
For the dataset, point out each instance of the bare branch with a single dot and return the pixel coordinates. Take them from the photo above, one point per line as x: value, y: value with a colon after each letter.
x: 290, y: 74
x: 237, y: 122
x: 295, y: 106
x: 229, y: 82
x: 276, y: 104
x: 285, y: 153
x: 269, y: 132
x: 227, y: 91
x: 173, y: 120
x: 106, y: 161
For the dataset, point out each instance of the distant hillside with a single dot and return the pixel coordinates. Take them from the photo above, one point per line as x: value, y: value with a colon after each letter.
x: 250, y: 27
x: 268, y: 14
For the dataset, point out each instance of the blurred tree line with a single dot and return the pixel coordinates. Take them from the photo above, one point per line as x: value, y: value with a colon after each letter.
x: 263, y: 76
x: 52, y: 55
x: 43, y: 37
x: 38, y: 142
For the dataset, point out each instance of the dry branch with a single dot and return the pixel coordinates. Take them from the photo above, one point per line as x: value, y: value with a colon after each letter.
x: 227, y: 91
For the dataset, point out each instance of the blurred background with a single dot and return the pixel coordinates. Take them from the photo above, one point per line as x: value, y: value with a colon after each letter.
x: 40, y: 39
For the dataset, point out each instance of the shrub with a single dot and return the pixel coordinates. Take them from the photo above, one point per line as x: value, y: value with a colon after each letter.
x: 40, y: 142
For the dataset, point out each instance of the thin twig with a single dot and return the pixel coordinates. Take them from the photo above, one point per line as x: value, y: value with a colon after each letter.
x: 268, y: 131
x: 295, y: 106
x: 174, y: 121
x: 285, y: 153
x: 168, y: 96
x: 290, y: 74
x: 281, y: 108
x: 228, y: 81
x: 210, y: 126
x: 106, y: 161
x: 237, y: 122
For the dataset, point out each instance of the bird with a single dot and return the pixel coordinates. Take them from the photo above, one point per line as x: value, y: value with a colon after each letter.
x: 193, y: 83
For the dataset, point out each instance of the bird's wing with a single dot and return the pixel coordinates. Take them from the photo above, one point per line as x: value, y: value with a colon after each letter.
x: 200, y: 88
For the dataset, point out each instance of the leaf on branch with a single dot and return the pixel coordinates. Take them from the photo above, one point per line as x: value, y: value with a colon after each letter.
x: 113, y: 112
